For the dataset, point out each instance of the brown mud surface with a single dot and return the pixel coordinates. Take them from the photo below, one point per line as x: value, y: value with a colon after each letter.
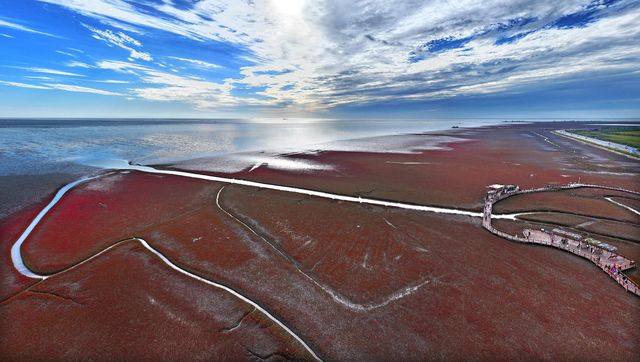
x: 614, y: 229
x: 20, y: 191
x: 556, y: 218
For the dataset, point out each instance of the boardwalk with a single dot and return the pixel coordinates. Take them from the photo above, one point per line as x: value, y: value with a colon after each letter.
x: 611, y: 263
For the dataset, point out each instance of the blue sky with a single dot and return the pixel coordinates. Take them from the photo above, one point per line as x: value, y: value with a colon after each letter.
x: 302, y: 58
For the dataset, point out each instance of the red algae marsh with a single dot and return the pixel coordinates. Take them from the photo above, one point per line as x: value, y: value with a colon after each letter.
x: 297, y: 180
x: 376, y: 252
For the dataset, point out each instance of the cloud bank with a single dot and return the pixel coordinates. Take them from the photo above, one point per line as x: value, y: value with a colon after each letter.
x: 314, y: 56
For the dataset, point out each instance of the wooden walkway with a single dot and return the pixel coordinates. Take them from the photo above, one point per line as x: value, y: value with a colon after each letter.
x: 611, y: 263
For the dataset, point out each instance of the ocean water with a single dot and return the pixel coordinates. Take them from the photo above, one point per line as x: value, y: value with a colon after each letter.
x: 40, y: 146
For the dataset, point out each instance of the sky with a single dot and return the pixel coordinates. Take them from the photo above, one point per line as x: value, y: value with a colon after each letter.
x: 321, y: 58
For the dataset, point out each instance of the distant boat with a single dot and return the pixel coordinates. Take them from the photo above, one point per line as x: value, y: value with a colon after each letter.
x: 455, y: 127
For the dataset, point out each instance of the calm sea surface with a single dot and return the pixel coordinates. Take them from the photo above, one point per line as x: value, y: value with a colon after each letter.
x: 38, y: 146
x: 29, y: 146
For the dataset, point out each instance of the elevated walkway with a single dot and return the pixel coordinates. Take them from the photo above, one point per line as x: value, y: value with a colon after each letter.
x: 610, y: 262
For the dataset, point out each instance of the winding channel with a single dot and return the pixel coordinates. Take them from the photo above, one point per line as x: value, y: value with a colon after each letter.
x: 18, y: 262
x: 21, y: 267
x: 623, y: 205
x: 184, y: 272
x: 335, y: 295
x: 16, y: 255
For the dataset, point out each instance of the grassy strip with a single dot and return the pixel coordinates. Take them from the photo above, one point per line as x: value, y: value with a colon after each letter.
x: 620, y: 135
x: 629, y: 154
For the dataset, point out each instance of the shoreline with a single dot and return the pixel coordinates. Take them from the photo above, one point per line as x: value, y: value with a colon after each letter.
x: 19, y: 197
x: 15, y: 197
x: 23, y: 191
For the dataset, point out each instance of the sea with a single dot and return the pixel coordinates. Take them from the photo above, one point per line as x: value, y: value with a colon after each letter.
x: 41, y: 146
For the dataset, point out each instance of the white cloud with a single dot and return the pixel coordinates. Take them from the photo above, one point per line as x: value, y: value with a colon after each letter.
x: 22, y: 85
x: 65, y: 53
x: 140, y: 55
x: 120, y: 40
x: 38, y: 77
x: 164, y: 86
x: 79, y: 89
x: 315, y: 55
x: 120, y: 66
x: 198, y: 63
x: 122, y: 26
x: 63, y: 87
x: 8, y: 24
x: 49, y: 71
x: 6, y: 35
x: 112, y: 81
x: 76, y: 64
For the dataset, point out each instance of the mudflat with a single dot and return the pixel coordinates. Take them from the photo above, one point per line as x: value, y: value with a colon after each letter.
x: 348, y: 280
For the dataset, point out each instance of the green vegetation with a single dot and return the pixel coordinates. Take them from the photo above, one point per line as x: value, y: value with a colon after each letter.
x: 629, y: 136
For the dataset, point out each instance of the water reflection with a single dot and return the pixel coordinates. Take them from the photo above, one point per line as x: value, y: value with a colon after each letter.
x: 44, y: 146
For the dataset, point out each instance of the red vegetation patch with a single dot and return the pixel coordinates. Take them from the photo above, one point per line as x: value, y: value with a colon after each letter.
x: 205, y: 241
x: 566, y: 201
x: 614, y: 229
x: 480, y: 288
x: 457, y: 177
x: 326, y: 269
x: 128, y: 303
x: 555, y: 218
x: 336, y: 242
x: 102, y: 211
x: 634, y: 203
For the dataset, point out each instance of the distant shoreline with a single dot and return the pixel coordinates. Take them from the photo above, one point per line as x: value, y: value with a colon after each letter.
x: 16, y: 196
